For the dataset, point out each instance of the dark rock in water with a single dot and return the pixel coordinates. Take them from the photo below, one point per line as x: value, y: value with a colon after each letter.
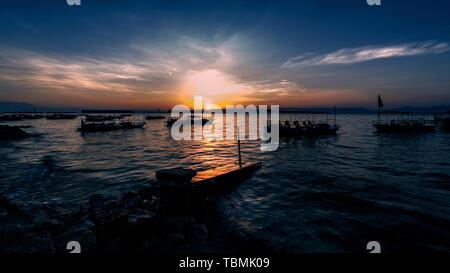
x: 140, y: 216
x: 14, y: 206
x: 12, y: 132
x: 147, y: 191
x: 175, y: 238
x: 120, y: 217
x: 81, y: 234
x: 130, y: 195
x: 11, y: 232
x: 3, y: 212
x: 97, y: 201
x: 61, y: 213
x: 131, y: 203
x: 154, y: 219
x: 54, y: 226
x: 113, y: 204
x: 199, y: 232
x: 152, y: 204
x: 38, y: 242
x: 98, y: 216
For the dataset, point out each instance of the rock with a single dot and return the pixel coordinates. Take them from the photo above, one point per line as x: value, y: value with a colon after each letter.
x: 3, y: 201
x: 63, y: 214
x: 3, y: 212
x: 39, y: 217
x: 199, y: 232
x: 120, y: 217
x: 140, y: 216
x: 131, y: 203
x: 12, y: 132
x: 97, y: 201
x: 11, y: 232
x: 98, y: 216
x: 89, y: 224
x: 175, y: 238
x: 54, y: 226
x: 81, y: 234
x: 38, y: 242
x: 15, y: 206
x: 113, y: 204
x: 147, y: 192
x: 130, y: 195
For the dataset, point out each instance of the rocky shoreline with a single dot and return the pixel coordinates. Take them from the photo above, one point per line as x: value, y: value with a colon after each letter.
x: 12, y: 132
x: 156, y: 219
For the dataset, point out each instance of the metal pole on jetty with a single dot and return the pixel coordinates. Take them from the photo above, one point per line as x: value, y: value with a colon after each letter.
x: 239, y: 146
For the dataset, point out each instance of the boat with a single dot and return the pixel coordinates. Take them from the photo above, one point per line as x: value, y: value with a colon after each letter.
x: 150, y: 117
x: 171, y: 120
x: 62, y: 116
x: 107, y: 120
x: 443, y: 119
x: 293, y: 127
x: 403, y: 122
x: 10, y: 117
x: 210, y: 181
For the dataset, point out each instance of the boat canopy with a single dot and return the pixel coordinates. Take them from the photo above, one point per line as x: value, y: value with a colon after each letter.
x: 396, y: 112
x: 107, y: 111
x: 302, y: 112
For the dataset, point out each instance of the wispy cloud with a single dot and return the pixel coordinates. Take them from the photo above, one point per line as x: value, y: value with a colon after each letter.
x: 367, y: 53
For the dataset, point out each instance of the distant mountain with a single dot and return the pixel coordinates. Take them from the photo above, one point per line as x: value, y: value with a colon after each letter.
x: 350, y: 110
x: 345, y: 110
x: 10, y: 106
x: 437, y: 108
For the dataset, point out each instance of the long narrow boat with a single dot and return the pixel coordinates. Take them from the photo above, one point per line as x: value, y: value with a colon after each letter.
x: 171, y: 121
x: 150, y: 117
x: 293, y: 127
x: 107, y: 120
x: 403, y: 122
x: 62, y: 116
x: 212, y: 180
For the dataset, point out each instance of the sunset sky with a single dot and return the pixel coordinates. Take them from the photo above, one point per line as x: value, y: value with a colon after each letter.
x: 155, y: 54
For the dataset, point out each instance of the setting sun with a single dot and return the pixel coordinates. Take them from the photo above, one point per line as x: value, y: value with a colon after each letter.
x: 215, y: 86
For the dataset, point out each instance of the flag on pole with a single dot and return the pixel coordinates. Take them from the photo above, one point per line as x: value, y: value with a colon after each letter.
x: 380, y: 102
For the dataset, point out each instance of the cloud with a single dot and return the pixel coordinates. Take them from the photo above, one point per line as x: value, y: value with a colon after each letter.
x: 367, y: 53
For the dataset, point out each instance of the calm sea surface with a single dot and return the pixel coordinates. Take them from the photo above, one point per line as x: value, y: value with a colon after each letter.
x: 314, y: 194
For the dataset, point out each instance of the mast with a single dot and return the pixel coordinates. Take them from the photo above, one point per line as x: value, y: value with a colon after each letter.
x: 334, y: 115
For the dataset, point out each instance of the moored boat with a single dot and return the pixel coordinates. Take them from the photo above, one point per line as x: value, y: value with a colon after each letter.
x: 171, y: 120
x: 294, y: 127
x: 107, y: 120
x: 62, y: 116
x: 403, y: 122
x: 150, y: 117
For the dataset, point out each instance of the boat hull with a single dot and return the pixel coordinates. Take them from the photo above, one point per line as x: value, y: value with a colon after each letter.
x: 103, y: 128
x: 304, y: 131
x: 398, y: 128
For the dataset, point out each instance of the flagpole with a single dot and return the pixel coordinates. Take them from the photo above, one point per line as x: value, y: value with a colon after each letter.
x: 379, y: 109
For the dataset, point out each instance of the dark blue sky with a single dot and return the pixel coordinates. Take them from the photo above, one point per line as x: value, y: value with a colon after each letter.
x: 159, y: 53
